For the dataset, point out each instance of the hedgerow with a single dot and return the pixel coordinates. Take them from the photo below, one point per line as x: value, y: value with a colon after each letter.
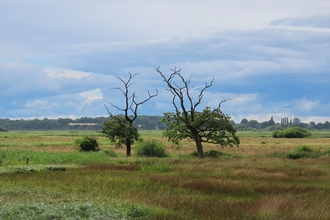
x: 294, y: 132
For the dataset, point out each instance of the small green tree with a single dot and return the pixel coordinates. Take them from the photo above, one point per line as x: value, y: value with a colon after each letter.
x: 210, y: 126
x: 119, y: 131
x: 120, y: 128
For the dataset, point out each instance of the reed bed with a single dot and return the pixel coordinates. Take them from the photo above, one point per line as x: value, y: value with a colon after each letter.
x: 66, y: 184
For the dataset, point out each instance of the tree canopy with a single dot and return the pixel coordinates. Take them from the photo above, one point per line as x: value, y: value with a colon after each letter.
x: 210, y: 126
x: 119, y: 131
x: 121, y: 128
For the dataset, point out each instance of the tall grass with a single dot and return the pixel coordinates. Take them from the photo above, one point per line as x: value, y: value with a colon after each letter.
x: 9, y: 157
x: 249, y: 185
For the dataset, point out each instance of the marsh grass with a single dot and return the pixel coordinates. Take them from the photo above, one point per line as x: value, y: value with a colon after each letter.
x: 249, y: 185
x: 12, y: 157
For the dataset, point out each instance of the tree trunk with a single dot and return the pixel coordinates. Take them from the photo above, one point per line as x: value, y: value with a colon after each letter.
x: 128, y: 147
x: 199, y: 146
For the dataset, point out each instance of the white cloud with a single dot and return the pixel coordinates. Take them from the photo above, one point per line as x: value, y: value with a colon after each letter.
x: 265, y: 68
x: 67, y: 73
x: 92, y: 95
x: 42, y: 105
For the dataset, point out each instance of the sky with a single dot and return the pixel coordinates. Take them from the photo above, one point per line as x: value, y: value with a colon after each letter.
x: 62, y: 59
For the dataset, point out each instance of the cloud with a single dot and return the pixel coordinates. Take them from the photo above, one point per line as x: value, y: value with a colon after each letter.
x: 67, y: 73
x: 316, y: 21
x: 68, y: 65
x: 92, y: 95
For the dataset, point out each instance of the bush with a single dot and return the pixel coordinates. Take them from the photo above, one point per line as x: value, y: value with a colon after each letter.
x: 87, y: 144
x: 304, y: 151
x: 303, y: 148
x: 150, y: 149
x: 213, y: 154
x: 294, y: 132
x: 327, y: 151
x: 210, y: 154
x: 110, y: 153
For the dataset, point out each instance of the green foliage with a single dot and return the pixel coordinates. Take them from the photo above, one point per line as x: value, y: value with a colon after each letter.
x: 294, y: 132
x: 304, y: 148
x: 210, y: 154
x: 14, y: 157
x: 110, y: 153
x: 212, y: 126
x: 326, y: 152
x: 3, y: 129
x: 87, y: 144
x: 136, y: 212
x: 150, y: 149
x: 54, y: 210
x: 302, y: 151
x: 55, y: 168
x: 119, y: 131
x: 157, y: 168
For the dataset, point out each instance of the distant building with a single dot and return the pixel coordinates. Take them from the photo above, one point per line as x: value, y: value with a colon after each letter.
x: 296, y: 121
x: 83, y: 124
x: 286, y: 122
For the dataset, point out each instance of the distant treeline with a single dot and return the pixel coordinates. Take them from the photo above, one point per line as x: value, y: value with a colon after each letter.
x: 142, y: 122
x: 83, y: 123
x: 270, y: 125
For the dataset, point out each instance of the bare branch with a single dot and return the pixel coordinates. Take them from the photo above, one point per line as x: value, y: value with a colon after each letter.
x: 120, y: 109
x: 200, y: 97
x: 130, y: 100
x: 222, y: 102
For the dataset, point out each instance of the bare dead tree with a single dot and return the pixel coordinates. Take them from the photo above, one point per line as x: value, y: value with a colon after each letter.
x: 131, y: 106
x: 187, y: 113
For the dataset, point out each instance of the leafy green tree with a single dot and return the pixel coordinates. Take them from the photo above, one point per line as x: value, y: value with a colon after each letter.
x: 244, y: 121
x: 119, y: 131
x: 210, y: 126
x: 127, y: 132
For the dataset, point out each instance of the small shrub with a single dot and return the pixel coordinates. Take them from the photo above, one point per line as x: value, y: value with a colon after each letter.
x: 327, y: 151
x: 135, y: 212
x: 150, y: 149
x: 55, y: 169
x: 110, y: 153
x: 294, y: 132
x: 213, y: 154
x: 304, y: 151
x: 87, y: 144
x: 297, y: 155
x: 304, y: 148
x: 210, y: 154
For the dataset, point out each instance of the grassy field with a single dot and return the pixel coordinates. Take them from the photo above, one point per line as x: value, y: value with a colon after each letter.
x: 253, y: 181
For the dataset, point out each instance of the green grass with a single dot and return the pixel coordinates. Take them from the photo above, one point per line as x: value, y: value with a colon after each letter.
x: 249, y: 182
x: 9, y: 157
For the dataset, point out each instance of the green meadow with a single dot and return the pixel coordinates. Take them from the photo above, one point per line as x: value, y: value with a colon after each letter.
x: 257, y: 180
